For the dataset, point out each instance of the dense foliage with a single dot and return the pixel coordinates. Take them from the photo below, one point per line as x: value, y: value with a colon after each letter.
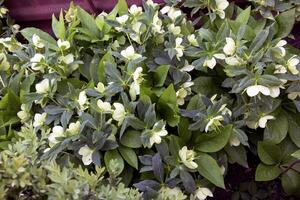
x: 151, y: 101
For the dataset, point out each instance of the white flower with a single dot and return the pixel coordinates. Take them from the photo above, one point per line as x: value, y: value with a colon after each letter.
x: 100, y: 87
x: 187, y: 68
x: 280, y: 45
x: 39, y: 119
x: 74, y: 128
x: 211, y: 62
x: 167, y: 193
x: 68, y: 59
x: 221, y: 6
x: 130, y: 54
x: 157, y: 24
x: 24, y: 114
x: 256, y: 89
x: 86, y: 154
x: 274, y: 91
x: 179, y: 48
x: 135, y: 10
x: 119, y: 113
x: 229, y: 48
x: 174, y: 29
x: 151, y: 3
x: 43, y: 87
x: 173, y: 13
x: 233, y: 61
x: 263, y: 120
x: 57, y: 131
x: 64, y: 45
x: 214, y: 121
x: 187, y: 158
x: 37, y: 42
x: 157, y: 132
x: 82, y: 100
x: 293, y: 95
x: 280, y: 69
x: 192, y: 40
x: 122, y: 19
x: 234, y: 141
x: 104, y: 106
x: 292, y: 65
x: 202, y: 193
x: 135, y: 85
x: 36, y: 61
x: 181, y: 94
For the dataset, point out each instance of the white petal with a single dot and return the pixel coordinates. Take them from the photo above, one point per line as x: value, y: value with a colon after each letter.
x: 211, y: 63
x: 222, y: 4
x: 281, y: 43
x: 264, y: 90
x: 233, y: 61
x: 263, y: 120
x: 274, y: 92
x: 252, y: 90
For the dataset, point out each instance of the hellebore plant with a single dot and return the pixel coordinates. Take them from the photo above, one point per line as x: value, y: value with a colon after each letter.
x: 163, y: 105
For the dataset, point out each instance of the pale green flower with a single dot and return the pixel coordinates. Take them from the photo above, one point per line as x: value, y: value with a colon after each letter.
x: 37, y: 42
x: 43, y: 87
x: 37, y: 62
x: 74, y: 128
x: 86, y: 154
x: 64, y: 45
x: 254, y: 90
x: 104, y: 106
x: 119, y: 113
x: 57, y: 131
x: 292, y: 65
x: 221, y: 6
x: 229, y: 48
x: 100, y: 87
x: 187, y: 158
x: 202, y: 193
x: 130, y: 54
x: 39, y: 119
x: 24, y: 114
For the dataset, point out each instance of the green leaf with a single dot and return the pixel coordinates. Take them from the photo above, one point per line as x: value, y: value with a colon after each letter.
x: 47, y: 39
x: 129, y: 155
x: 259, y: 40
x: 268, y: 152
x: 167, y: 105
x: 208, y: 168
x: 205, y: 85
x: 9, y: 106
x: 294, y: 127
x: 122, y: 7
x: 183, y: 129
x: 243, y: 17
x: 101, y: 67
x: 131, y: 139
x: 290, y: 182
x: 58, y: 27
x: 88, y: 22
x: 160, y: 75
x: 285, y: 22
x: 237, y: 155
x: 215, y: 141
x: 277, y: 129
x: 266, y: 172
x: 296, y: 154
x: 109, y: 157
